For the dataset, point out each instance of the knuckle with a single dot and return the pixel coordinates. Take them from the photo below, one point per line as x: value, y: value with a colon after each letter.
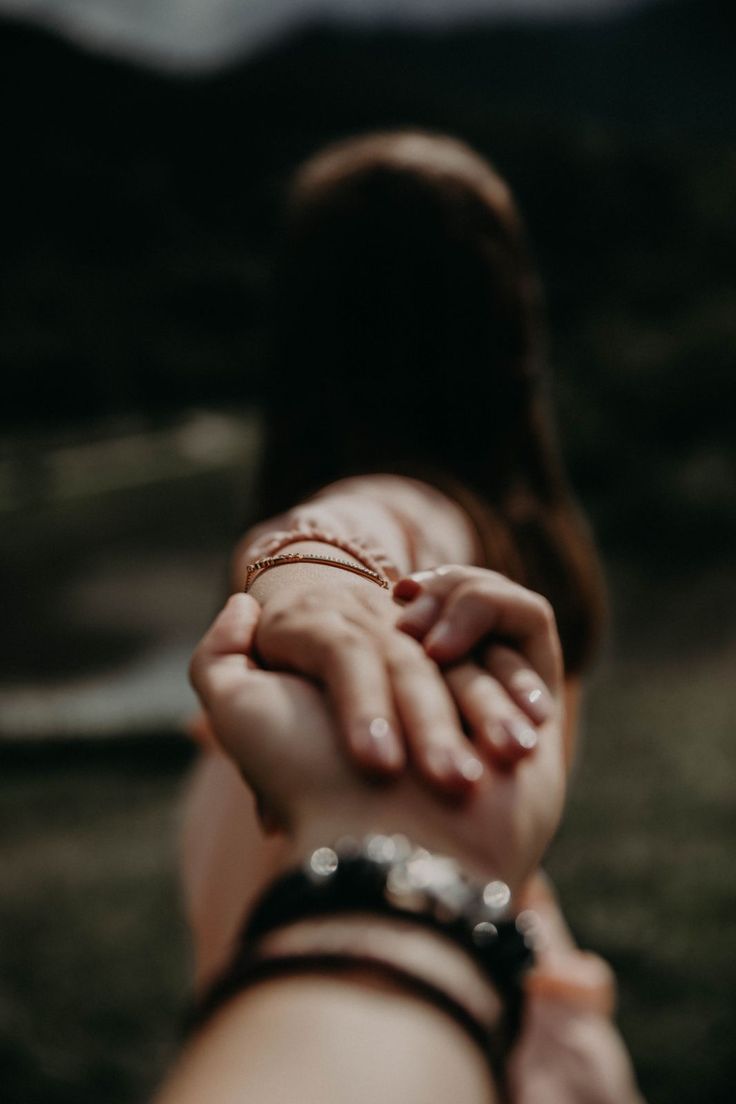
x: 306, y: 603
x: 276, y: 620
x: 404, y: 652
x: 545, y: 612
x: 497, y: 578
x: 486, y: 695
x: 311, y: 603
x: 469, y: 588
x: 373, y: 600
x: 452, y: 573
x: 465, y: 598
x: 482, y: 589
x: 344, y: 637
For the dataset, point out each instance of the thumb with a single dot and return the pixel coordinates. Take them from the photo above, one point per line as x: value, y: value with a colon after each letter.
x: 230, y: 635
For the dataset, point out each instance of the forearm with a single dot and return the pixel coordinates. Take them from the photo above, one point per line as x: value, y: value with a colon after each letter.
x: 329, y: 1041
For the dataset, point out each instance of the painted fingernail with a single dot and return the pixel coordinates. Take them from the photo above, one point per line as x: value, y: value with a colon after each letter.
x: 407, y: 588
x: 521, y: 733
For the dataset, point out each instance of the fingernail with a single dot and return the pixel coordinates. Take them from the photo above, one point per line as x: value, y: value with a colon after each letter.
x: 497, y: 735
x: 440, y: 763
x: 537, y: 702
x: 408, y: 587
x: 521, y: 733
x: 379, y: 741
x: 438, y: 636
x: 506, y: 752
x: 454, y: 766
x: 470, y: 768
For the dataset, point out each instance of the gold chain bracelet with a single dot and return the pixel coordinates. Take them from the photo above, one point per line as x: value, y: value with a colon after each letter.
x: 372, y: 558
x: 253, y: 570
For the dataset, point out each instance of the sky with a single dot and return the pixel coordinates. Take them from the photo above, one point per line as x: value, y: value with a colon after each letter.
x: 204, y: 33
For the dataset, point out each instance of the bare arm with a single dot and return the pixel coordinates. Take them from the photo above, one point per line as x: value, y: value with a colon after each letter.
x: 328, y: 1041
x: 338, y: 1041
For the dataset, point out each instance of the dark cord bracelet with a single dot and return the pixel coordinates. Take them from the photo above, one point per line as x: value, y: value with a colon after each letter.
x: 389, y: 876
x: 249, y: 971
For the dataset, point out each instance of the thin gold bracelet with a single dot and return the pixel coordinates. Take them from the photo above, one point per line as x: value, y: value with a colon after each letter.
x: 372, y: 558
x: 253, y: 570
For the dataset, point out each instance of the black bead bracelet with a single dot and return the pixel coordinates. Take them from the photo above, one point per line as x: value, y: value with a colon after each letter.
x: 390, y: 876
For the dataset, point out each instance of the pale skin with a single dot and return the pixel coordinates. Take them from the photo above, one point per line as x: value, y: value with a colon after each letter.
x: 342, y: 633
x: 304, y: 608
x: 333, y: 1030
x: 279, y: 731
x: 316, y: 1040
x: 386, y: 661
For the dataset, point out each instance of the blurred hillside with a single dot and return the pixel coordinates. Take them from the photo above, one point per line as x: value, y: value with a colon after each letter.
x: 141, y: 212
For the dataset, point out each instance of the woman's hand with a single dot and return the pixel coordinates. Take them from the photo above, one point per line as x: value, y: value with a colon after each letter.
x: 499, y: 646
x: 279, y: 731
x: 388, y: 696
x: 387, y: 691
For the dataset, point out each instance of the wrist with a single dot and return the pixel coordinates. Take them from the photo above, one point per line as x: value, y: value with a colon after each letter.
x: 369, y: 939
x: 487, y: 846
x: 394, y: 915
x: 292, y: 577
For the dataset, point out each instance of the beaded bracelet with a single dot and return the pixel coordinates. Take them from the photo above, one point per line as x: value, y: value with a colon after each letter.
x: 389, y: 876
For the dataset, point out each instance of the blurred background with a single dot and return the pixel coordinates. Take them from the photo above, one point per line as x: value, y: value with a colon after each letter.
x: 146, y: 148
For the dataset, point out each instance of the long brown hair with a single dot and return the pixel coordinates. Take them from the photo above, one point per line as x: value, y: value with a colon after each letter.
x: 409, y: 338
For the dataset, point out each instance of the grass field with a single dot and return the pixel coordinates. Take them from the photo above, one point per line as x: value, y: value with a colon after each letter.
x: 94, y: 954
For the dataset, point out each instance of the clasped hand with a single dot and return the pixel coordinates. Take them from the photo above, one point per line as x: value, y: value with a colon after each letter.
x: 279, y: 730
x: 379, y: 666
